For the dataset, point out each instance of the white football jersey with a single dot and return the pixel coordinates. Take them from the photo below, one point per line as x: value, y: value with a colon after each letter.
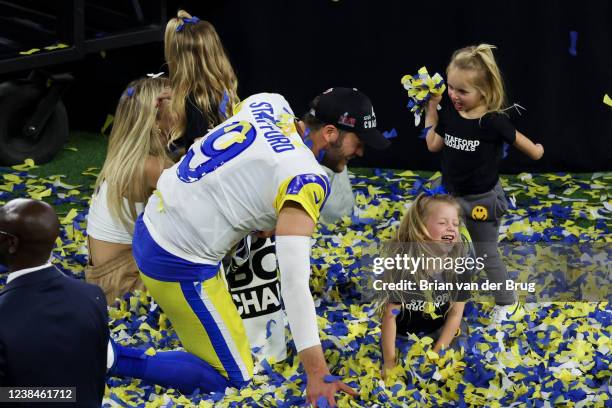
x: 235, y: 181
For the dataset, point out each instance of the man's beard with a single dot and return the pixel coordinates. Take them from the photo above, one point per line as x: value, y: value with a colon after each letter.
x: 334, y: 158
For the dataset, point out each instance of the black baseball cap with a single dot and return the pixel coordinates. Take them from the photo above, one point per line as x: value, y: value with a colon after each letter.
x: 350, y: 110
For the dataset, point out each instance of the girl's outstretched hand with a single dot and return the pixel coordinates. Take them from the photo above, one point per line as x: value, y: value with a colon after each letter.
x: 539, y: 151
x: 534, y: 151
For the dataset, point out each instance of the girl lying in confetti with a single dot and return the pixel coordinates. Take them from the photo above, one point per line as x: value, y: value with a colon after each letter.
x: 431, y: 229
x: 471, y: 137
x: 136, y: 157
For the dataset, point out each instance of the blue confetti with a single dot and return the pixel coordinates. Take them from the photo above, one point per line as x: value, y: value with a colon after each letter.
x: 433, y: 191
x: 322, y: 402
x: 269, y: 328
x: 573, y: 41
x: 505, y: 150
x: 339, y: 275
x: 390, y: 133
x: 423, y: 134
x: 331, y: 378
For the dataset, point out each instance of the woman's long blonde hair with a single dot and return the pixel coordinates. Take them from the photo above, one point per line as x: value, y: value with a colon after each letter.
x: 413, y: 240
x: 488, y: 79
x: 135, y: 136
x: 199, y: 68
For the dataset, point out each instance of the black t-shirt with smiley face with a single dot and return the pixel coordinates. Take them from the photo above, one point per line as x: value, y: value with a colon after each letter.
x: 472, y: 150
x: 414, y: 319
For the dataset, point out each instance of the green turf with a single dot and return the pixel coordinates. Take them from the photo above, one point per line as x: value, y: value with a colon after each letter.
x: 90, y: 152
x: 83, y: 151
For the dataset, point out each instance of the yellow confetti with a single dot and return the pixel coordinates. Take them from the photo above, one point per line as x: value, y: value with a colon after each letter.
x: 29, y: 52
x: 109, y: 121
x: 430, y: 309
x: 564, y: 375
x: 407, y: 173
x: 27, y: 165
x: 373, y: 190
x: 237, y: 108
x: 69, y: 217
x: 91, y: 171
x: 12, y: 178
x: 432, y: 355
x: 607, y: 100
x: 40, y: 195
x: 160, y: 205
x: 435, y: 176
x: 57, y: 46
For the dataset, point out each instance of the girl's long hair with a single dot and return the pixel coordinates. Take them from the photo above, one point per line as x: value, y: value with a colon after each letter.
x: 413, y: 240
x: 199, y: 70
x: 134, y: 137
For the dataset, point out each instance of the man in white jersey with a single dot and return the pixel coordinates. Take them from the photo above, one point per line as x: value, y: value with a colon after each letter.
x: 257, y: 171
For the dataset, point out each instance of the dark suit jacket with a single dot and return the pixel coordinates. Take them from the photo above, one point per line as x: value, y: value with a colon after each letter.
x: 54, y: 332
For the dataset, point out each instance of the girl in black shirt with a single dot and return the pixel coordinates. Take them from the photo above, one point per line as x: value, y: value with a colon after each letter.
x: 431, y: 231
x: 471, y: 137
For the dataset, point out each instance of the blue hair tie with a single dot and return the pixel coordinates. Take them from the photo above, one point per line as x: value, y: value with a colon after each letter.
x: 190, y: 20
x: 434, y: 191
x: 223, y: 105
x: 130, y: 91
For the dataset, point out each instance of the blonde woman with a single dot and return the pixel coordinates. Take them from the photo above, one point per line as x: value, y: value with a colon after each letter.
x: 135, y: 159
x: 203, y: 80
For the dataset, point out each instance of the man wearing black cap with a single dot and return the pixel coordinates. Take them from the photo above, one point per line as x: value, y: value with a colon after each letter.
x: 340, y: 121
x: 257, y: 171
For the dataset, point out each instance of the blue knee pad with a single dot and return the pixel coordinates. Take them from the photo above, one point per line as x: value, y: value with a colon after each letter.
x: 172, y: 369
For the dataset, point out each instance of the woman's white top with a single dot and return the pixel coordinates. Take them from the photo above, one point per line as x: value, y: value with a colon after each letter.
x: 100, y: 223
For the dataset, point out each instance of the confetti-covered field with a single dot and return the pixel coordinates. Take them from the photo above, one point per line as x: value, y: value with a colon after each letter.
x: 558, y: 355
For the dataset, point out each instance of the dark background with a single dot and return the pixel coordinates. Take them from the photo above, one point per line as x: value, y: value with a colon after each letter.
x: 300, y: 48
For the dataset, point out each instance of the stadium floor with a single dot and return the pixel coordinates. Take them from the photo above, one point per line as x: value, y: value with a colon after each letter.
x: 558, y: 355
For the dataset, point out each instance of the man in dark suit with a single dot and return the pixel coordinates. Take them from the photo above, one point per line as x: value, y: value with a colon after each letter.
x: 53, y: 329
